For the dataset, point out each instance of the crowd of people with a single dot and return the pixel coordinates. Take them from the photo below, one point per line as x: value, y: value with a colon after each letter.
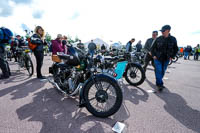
x: 160, y: 50
x: 188, y: 51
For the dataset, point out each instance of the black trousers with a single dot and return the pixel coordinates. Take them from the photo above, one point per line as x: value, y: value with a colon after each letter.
x: 4, y: 64
x: 196, y: 56
x: 148, y: 58
x: 39, y: 56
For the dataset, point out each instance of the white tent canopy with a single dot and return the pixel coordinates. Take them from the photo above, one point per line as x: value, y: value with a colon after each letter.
x: 99, y: 42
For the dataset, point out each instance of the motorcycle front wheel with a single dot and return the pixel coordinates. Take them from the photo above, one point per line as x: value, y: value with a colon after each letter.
x: 103, y: 97
x: 134, y: 74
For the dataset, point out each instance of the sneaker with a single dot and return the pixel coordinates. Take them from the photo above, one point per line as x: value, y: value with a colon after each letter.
x: 163, y: 87
x: 160, y: 87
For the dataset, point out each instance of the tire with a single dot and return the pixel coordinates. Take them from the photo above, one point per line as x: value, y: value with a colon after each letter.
x: 175, y: 59
x: 29, y: 66
x: 170, y: 62
x: 137, y: 67
x: 88, y: 102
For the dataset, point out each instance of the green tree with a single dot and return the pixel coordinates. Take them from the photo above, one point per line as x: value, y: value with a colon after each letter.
x: 48, y: 37
x: 76, y: 39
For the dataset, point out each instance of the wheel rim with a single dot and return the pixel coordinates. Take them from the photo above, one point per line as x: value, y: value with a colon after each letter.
x: 102, y: 97
x: 134, y: 74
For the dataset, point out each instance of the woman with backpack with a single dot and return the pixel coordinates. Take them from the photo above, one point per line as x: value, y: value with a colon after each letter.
x: 38, y: 39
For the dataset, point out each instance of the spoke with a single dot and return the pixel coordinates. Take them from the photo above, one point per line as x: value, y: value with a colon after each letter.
x: 108, y: 87
x: 92, y: 99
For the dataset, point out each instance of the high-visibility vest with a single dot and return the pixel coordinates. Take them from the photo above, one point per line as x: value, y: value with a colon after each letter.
x: 199, y: 49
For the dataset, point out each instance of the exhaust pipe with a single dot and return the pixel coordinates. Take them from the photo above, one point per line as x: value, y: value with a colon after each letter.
x: 76, y: 90
x: 57, y: 87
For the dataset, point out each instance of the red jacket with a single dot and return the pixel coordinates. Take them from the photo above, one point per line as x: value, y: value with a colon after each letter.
x: 57, y: 46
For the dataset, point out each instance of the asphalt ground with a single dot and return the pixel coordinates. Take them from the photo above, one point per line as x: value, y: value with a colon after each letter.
x: 28, y: 105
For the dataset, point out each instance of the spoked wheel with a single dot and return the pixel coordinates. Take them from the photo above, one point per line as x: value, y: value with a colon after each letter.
x: 134, y: 74
x: 103, y: 98
x: 29, y: 66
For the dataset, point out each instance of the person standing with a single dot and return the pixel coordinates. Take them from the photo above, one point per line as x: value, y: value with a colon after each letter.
x: 92, y: 47
x: 147, y: 48
x: 139, y: 46
x: 58, y: 45
x: 5, y: 38
x: 189, y: 52
x: 196, y: 52
x: 186, y: 52
x: 81, y: 45
x: 38, y: 39
x: 163, y: 49
x: 103, y: 49
x: 129, y: 45
x: 20, y: 41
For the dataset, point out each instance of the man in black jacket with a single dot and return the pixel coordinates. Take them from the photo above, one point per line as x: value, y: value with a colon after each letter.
x: 129, y: 45
x: 147, y: 48
x: 163, y: 49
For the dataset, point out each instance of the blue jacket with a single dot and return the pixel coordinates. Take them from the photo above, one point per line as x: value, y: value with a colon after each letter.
x: 36, y: 39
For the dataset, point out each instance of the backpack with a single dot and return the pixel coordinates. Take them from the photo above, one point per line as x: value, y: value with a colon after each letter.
x: 31, y: 45
x: 5, y: 35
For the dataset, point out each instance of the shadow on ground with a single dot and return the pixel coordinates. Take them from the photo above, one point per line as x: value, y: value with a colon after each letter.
x: 177, y: 107
x: 134, y: 94
x: 59, y: 116
x: 22, y: 90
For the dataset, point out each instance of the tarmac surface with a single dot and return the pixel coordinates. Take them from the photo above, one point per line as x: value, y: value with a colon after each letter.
x: 28, y: 105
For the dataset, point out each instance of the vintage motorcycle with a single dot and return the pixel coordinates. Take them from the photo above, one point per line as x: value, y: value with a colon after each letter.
x: 76, y: 74
x: 122, y: 66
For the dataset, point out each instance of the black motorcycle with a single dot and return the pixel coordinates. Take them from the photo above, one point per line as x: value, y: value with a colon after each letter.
x: 76, y: 74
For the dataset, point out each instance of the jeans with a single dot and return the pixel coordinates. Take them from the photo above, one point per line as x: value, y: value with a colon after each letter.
x: 196, y: 56
x: 39, y: 56
x: 91, y: 52
x: 186, y: 55
x: 160, y: 68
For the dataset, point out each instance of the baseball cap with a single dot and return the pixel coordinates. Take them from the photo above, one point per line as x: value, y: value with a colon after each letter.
x: 165, y: 27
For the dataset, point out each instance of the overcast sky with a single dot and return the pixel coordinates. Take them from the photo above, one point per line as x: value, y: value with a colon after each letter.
x: 117, y: 20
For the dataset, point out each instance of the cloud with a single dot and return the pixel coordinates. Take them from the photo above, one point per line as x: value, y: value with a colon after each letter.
x: 25, y: 27
x: 196, y: 32
x: 75, y: 16
x: 22, y: 1
x: 5, y: 8
x: 37, y: 14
